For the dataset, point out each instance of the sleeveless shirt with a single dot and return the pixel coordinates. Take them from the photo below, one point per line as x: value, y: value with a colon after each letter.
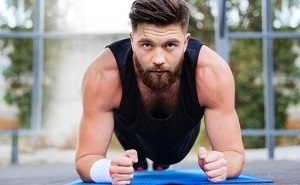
x: 168, y: 140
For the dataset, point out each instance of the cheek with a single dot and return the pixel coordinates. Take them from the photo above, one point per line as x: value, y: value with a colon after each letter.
x: 174, y: 57
x: 144, y: 58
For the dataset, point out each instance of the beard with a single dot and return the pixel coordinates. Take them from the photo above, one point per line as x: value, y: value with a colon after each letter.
x: 159, y: 83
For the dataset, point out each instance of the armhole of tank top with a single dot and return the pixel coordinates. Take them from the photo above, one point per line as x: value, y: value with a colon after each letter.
x: 201, y: 44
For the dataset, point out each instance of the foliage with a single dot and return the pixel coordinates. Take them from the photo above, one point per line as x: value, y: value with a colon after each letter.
x: 202, y: 21
x: 247, y: 67
x: 19, y: 75
x: 20, y: 78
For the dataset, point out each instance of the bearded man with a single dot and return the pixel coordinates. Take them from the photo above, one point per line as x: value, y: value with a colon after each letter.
x: 152, y: 90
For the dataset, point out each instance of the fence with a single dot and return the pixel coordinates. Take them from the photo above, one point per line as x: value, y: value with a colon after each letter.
x: 267, y: 35
x: 222, y: 39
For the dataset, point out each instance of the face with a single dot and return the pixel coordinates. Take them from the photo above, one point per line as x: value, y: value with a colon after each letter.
x: 158, y: 54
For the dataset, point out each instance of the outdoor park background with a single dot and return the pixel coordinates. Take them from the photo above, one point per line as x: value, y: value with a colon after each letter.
x: 79, y: 30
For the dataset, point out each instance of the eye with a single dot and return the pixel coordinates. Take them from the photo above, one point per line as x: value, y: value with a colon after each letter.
x: 147, y: 45
x: 170, y: 45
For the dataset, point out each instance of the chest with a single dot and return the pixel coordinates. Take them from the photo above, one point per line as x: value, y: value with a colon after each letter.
x: 160, y: 105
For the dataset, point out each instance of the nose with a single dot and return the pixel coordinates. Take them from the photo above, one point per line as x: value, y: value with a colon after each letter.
x: 159, y: 57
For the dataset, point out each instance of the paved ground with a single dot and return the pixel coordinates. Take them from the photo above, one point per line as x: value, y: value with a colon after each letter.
x: 282, y: 172
x: 55, y: 167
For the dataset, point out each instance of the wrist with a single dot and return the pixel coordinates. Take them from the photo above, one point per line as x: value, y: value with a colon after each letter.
x: 100, y: 171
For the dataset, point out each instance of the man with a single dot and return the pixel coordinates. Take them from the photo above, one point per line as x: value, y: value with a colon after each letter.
x: 152, y: 90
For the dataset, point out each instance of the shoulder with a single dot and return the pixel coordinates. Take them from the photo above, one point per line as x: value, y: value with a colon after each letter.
x: 101, y: 81
x: 102, y: 67
x: 193, y: 41
x: 214, y: 78
x: 194, y: 45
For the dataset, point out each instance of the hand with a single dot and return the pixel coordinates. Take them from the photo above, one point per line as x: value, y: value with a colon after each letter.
x: 213, y: 164
x: 121, y: 167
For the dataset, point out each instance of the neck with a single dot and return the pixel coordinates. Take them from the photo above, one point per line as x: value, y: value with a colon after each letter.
x: 159, y: 104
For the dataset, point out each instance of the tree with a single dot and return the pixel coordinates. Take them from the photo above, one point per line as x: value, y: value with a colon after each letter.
x: 202, y: 21
x: 246, y: 62
x: 19, y: 75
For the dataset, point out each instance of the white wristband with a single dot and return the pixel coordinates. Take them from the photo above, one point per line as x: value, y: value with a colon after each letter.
x: 100, y: 171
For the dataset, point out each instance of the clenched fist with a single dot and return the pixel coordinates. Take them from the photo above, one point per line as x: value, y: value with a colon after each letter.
x: 213, y: 164
x: 121, y: 167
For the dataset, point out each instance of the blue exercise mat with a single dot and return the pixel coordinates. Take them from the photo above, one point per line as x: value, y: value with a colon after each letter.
x: 183, y: 177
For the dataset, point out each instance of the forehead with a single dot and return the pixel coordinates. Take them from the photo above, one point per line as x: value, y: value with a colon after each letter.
x: 154, y: 32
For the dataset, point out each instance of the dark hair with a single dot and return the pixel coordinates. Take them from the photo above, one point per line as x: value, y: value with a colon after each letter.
x: 159, y: 12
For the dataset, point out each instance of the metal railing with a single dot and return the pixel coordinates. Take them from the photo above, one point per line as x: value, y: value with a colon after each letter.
x: 222, y: 36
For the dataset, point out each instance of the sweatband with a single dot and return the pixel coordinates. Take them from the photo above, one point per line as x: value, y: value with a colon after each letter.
x: 100, y: 171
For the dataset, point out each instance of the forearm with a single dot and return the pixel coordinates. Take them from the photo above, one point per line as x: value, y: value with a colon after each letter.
x: 235, y: 163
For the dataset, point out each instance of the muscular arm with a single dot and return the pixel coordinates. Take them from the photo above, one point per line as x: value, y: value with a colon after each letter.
x: 101, y: 92
x: 216, y: 91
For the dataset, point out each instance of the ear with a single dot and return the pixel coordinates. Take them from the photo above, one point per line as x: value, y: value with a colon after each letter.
x: 186, y: 40
x: 131, y: 40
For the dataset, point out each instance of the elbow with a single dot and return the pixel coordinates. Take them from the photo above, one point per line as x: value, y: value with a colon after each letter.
x: 82, y: 171
x: 236, y: 165
x: 240, y: 165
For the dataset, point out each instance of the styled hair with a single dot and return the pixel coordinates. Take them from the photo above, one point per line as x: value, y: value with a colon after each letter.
x: 160, y: 13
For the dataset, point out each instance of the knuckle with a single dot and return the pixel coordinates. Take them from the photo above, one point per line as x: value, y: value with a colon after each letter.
x: 112, y: 169
x: 131, y: 170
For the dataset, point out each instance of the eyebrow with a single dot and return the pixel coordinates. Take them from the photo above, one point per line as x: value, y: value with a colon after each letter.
x: 142, y: 40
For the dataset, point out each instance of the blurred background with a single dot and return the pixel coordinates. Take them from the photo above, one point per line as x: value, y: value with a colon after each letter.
x: 46, y: 45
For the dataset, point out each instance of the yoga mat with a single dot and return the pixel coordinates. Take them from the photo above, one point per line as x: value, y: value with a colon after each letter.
x: 176, y: 177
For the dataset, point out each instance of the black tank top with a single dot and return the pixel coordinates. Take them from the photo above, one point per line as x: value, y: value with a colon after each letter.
x: 168, y: 140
